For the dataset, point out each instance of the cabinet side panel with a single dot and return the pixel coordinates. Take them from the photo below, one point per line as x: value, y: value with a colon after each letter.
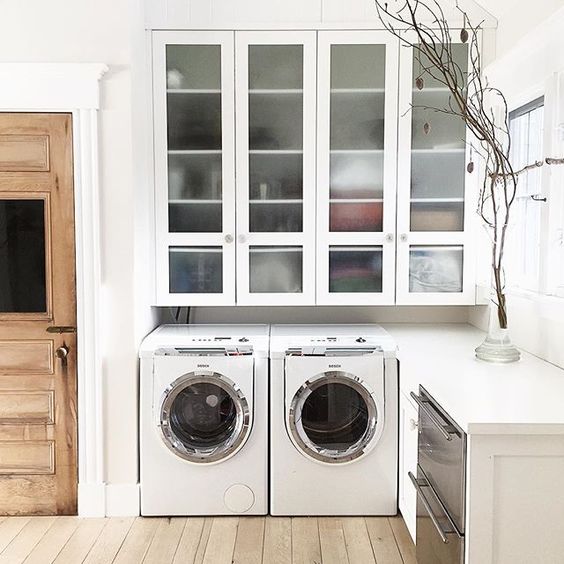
x: 514, y: 494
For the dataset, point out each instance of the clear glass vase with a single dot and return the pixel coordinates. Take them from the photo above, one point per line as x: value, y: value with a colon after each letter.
x: 497, y: 346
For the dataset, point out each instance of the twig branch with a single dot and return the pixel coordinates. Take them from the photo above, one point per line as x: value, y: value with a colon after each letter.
x: 536, y: 164
x: 472, y: 100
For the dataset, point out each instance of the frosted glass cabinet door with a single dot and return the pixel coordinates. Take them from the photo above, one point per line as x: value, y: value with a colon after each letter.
x: 194, y: 164
x: 434, y: 263
x: 357, y: 95
x: 275, y: 77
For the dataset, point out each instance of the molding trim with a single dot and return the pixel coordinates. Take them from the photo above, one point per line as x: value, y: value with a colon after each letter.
x: 50, y: 86
x: 122, y: 500
x: 74, y: 88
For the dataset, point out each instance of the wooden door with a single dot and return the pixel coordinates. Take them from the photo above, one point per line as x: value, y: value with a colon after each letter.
x: 38, y: 417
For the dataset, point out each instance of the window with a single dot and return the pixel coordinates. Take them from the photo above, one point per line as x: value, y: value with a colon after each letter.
x: 526, y: 125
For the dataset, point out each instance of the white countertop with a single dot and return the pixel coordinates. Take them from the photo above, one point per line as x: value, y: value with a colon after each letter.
x: 526, y: 397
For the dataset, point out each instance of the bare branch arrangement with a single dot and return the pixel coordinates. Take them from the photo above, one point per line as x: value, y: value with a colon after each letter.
x: 481, y: 107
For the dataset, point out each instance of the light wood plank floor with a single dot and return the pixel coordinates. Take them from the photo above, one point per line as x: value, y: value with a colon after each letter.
x: 219, y: 540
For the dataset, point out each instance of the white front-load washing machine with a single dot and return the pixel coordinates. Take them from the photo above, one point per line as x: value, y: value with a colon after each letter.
x: 334, y: 420
x: 204, y: 420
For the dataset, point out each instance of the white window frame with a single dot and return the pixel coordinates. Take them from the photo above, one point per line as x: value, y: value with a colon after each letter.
x: 551, y: 259
x: 555, y: 179
x: 520, y: 277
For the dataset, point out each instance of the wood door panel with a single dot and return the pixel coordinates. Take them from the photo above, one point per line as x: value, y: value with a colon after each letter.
x: 27, y: 407
x: 24, y: 153
x: 38, y: 395
x: 27, y: 457
x: 16, y: 357
x: 27, y: 432
x: 29, y: 382
x: 18, y: 182
x: 28, y: 495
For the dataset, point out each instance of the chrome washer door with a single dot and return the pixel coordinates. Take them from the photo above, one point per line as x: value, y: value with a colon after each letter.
x: 204, y: 417
x: 334, y: 418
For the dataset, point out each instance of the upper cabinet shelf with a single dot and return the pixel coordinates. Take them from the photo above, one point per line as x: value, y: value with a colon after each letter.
x: 290, y: 171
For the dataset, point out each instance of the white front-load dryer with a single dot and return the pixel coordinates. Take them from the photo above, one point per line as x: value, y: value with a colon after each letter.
x: 334, y: 420
x: 204, y: 420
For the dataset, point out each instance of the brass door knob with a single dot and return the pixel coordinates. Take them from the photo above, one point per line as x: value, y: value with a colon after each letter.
x: 62, y: 352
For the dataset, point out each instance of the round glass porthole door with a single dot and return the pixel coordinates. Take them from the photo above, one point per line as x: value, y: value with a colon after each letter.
x: 334, y: 418
x: 204, y: 417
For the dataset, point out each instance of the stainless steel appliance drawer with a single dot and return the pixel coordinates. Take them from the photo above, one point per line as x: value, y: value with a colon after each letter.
x: 438, y: 541
x: 442, y: 455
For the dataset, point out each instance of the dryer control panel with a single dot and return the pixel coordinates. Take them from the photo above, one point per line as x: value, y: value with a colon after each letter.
x: 330, y: 340
x: 332, y: 351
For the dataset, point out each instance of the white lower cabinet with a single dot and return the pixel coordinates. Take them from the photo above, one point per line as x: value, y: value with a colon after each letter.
x: 407, y: 461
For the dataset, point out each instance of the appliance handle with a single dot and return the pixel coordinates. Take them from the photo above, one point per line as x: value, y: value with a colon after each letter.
x: 428, y: 507
x: 446, y: 431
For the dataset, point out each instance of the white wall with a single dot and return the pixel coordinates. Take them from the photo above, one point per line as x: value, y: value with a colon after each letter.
x: 326, y: 314
x: 62, y: 31
x: 531, y: 67
x: 516, y: 19
x: 262, y: 14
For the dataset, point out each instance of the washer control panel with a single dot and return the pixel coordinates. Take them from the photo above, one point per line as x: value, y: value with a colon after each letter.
x: 219, y: 340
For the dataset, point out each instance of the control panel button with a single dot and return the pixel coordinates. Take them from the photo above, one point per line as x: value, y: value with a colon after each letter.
x: 243, y: 340
x: 361, y: 340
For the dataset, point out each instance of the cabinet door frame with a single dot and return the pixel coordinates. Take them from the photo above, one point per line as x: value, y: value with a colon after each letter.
x: 405, y: 237
x: 306, y: 238
x: 165, y: 239
x: 408, y: 452
x: 385, y: 238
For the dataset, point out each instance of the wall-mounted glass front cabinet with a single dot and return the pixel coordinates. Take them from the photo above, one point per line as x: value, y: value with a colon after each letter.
x: 281, y: 180
x: 434, y: 262
x: 356, y: 167
x: 194, y: 119
x: 275, y: 75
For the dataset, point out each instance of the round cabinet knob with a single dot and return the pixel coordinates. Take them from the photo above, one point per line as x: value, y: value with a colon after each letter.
x: 412, y: 424
x: 389, y: 238
x: 242, y: 238
x: 403, y: 237
x: 228, y: 238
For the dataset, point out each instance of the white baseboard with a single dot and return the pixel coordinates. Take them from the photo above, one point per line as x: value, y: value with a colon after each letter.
x: 122, y: 500
x: 91, y: 500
